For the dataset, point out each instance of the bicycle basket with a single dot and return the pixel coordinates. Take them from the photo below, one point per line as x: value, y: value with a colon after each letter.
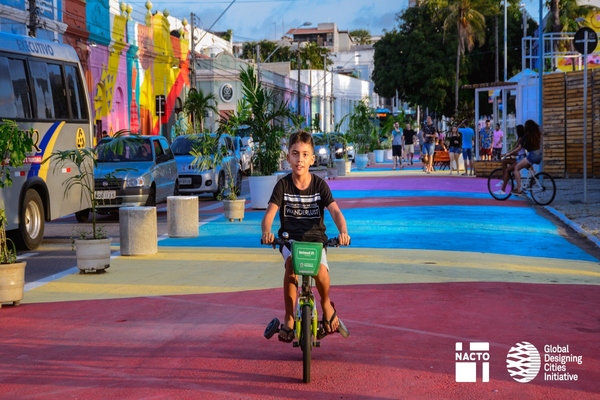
x: 306, y: 257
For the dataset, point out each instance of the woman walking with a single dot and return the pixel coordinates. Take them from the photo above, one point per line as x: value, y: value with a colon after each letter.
x: 455, y: 149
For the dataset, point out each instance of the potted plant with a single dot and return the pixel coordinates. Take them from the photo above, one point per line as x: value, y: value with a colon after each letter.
x: 14, y: 146
x: 92, y: 247
x: 265, y: 118
x: 361, y: 131
x: 233, y: 206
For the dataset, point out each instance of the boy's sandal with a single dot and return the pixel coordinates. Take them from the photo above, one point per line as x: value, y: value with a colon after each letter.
x: 327, y: 324
x: 286, y: 334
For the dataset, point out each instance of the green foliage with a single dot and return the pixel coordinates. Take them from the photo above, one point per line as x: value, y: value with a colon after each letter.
x: 206, y: 151
x: 361, y: 36
x: 416, y: 61
x: 85, y: 161
x: 268, y: 114
x: 361, y: 127
x: 14, y: 146
x: 198, y: 104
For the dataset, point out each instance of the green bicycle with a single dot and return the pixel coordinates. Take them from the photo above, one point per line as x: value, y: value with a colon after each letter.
x: 306, y: 258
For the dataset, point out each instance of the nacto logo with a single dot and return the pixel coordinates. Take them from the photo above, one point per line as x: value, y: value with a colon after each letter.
x: 523, y: 362
x: 466, y: 362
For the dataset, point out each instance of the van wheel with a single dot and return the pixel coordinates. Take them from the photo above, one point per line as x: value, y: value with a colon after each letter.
x: 31, y: 221
x: 83, y: 215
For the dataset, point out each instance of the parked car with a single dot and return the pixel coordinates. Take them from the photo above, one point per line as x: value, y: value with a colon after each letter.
x: 321, y: 149
x: 246, y: 150
x: 142, y: 173
x: 198, y: 179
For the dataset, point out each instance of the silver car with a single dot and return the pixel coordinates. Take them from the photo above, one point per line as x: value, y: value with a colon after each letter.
x: 141, y: 173
x: 198, y: 179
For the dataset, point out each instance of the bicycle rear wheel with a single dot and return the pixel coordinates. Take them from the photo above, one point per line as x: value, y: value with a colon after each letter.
x: 306, y: 341
x: 542, y: 188
x: 495, y: 185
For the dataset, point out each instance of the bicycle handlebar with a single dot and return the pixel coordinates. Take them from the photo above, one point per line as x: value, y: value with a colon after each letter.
x: 333, y: 242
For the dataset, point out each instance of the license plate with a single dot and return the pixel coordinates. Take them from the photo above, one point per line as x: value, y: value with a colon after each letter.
x: 106, y: 194
x: 185, y: 181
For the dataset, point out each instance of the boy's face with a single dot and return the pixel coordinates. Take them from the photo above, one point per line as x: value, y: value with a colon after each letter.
x: 301, y: 156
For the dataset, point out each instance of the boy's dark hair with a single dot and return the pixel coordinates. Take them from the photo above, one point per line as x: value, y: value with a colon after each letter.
x: 302, y: 137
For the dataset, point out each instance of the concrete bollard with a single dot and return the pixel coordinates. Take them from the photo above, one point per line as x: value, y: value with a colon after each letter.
x: 138, y: 230
x: 182, y: 216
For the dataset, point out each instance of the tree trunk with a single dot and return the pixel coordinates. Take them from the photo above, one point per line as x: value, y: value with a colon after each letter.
x: 497, y: 51
x: 457, y: 79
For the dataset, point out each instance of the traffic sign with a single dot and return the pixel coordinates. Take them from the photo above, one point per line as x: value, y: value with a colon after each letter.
x: 579, y: 40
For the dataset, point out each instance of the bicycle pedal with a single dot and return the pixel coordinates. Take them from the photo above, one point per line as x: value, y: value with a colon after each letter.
x: 317, y: 344
x: 296, y: 344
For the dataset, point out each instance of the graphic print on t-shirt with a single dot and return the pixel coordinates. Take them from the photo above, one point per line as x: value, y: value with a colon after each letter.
x: 302, y: 207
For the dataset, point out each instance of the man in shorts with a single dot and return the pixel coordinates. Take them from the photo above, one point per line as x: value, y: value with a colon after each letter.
x: 409, y: 143
x: 486, y: 135
x: 397, y: 144
x: 467, y: 134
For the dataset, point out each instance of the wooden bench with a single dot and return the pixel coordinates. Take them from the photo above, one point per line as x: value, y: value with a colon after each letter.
x: 441, y: 159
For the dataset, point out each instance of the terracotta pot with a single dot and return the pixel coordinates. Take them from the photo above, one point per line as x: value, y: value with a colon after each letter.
x: 12, y: 283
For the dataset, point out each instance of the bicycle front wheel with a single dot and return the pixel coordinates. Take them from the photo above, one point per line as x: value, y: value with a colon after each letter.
x: 306, y: 341
x: 543, y: 189
x: 495, y: 181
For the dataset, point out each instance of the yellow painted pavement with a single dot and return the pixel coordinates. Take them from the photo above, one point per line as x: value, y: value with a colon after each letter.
x: 176, y: 271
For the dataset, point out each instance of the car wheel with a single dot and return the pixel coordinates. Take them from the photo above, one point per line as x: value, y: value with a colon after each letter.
x: 83, y: 215
x: 238, y: 183
x: 220, y: 186
x: 151, y: 202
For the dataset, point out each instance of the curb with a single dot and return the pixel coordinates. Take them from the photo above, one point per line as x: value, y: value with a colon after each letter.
x: 575, y: 226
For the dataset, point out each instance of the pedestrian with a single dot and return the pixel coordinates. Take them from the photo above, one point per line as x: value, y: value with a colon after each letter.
x: 301, y: 197
x: 397, y: 146
x: 498, y: 135
x: 409, y: 143
x: 486, y: 137
x: 455, y: 149
x: 430, y: 136
x: 467, y: 134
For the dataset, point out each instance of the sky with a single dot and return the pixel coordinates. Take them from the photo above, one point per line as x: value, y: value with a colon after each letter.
x: 254, y: 20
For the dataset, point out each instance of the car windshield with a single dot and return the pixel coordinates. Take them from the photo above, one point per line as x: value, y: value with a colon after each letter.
x: 125, y: 150
x: 184, y: 146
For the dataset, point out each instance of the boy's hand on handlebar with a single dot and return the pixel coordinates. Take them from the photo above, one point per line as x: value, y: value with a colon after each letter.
x: 267, y: 238
x: 344, y: 239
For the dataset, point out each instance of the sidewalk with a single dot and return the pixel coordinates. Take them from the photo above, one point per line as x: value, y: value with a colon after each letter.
x: 434, y: 261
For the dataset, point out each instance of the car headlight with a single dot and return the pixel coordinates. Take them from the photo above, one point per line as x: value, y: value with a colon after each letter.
x: 322, y: 151
x: 134, y: 182
x: 350, y: 148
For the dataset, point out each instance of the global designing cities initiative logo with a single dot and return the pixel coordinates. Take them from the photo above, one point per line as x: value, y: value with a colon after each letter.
x: 523, y: 362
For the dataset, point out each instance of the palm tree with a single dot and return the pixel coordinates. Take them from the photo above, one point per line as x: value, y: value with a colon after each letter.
x: 197, y: 104
x: 266, y: 119
x: 470, y: 27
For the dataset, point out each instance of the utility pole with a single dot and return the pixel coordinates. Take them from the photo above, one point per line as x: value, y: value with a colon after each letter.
x: 298, y: 63
x: 193, y: 69
x: 324, y: 92
x: 33, y: 20
x: 331, y: 116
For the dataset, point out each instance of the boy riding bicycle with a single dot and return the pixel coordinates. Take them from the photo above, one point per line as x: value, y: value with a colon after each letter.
x: 300, y: 198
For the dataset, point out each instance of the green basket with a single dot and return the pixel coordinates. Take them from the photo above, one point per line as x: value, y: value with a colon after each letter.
x: 306, y: 257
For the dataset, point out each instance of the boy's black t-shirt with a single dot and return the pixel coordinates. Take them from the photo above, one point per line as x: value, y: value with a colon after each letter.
x: 301, y: 211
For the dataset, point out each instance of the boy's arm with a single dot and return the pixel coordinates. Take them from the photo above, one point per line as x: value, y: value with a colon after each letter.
x: 340, y: 223
x: 267, y: 223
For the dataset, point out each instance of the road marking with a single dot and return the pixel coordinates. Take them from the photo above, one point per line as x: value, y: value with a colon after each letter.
x: 48, y: 279
x: 26, y: 255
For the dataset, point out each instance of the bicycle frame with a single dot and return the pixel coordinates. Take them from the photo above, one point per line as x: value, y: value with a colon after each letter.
x: 539, y: 186
x: 306, y: 297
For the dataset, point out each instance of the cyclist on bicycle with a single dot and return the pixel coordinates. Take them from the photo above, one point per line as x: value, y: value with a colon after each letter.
x: 509, y: 162
x: 532, y: 142
x: 300, y: 198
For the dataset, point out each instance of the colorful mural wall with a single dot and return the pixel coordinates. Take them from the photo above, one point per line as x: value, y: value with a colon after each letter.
x: 129, y: 65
